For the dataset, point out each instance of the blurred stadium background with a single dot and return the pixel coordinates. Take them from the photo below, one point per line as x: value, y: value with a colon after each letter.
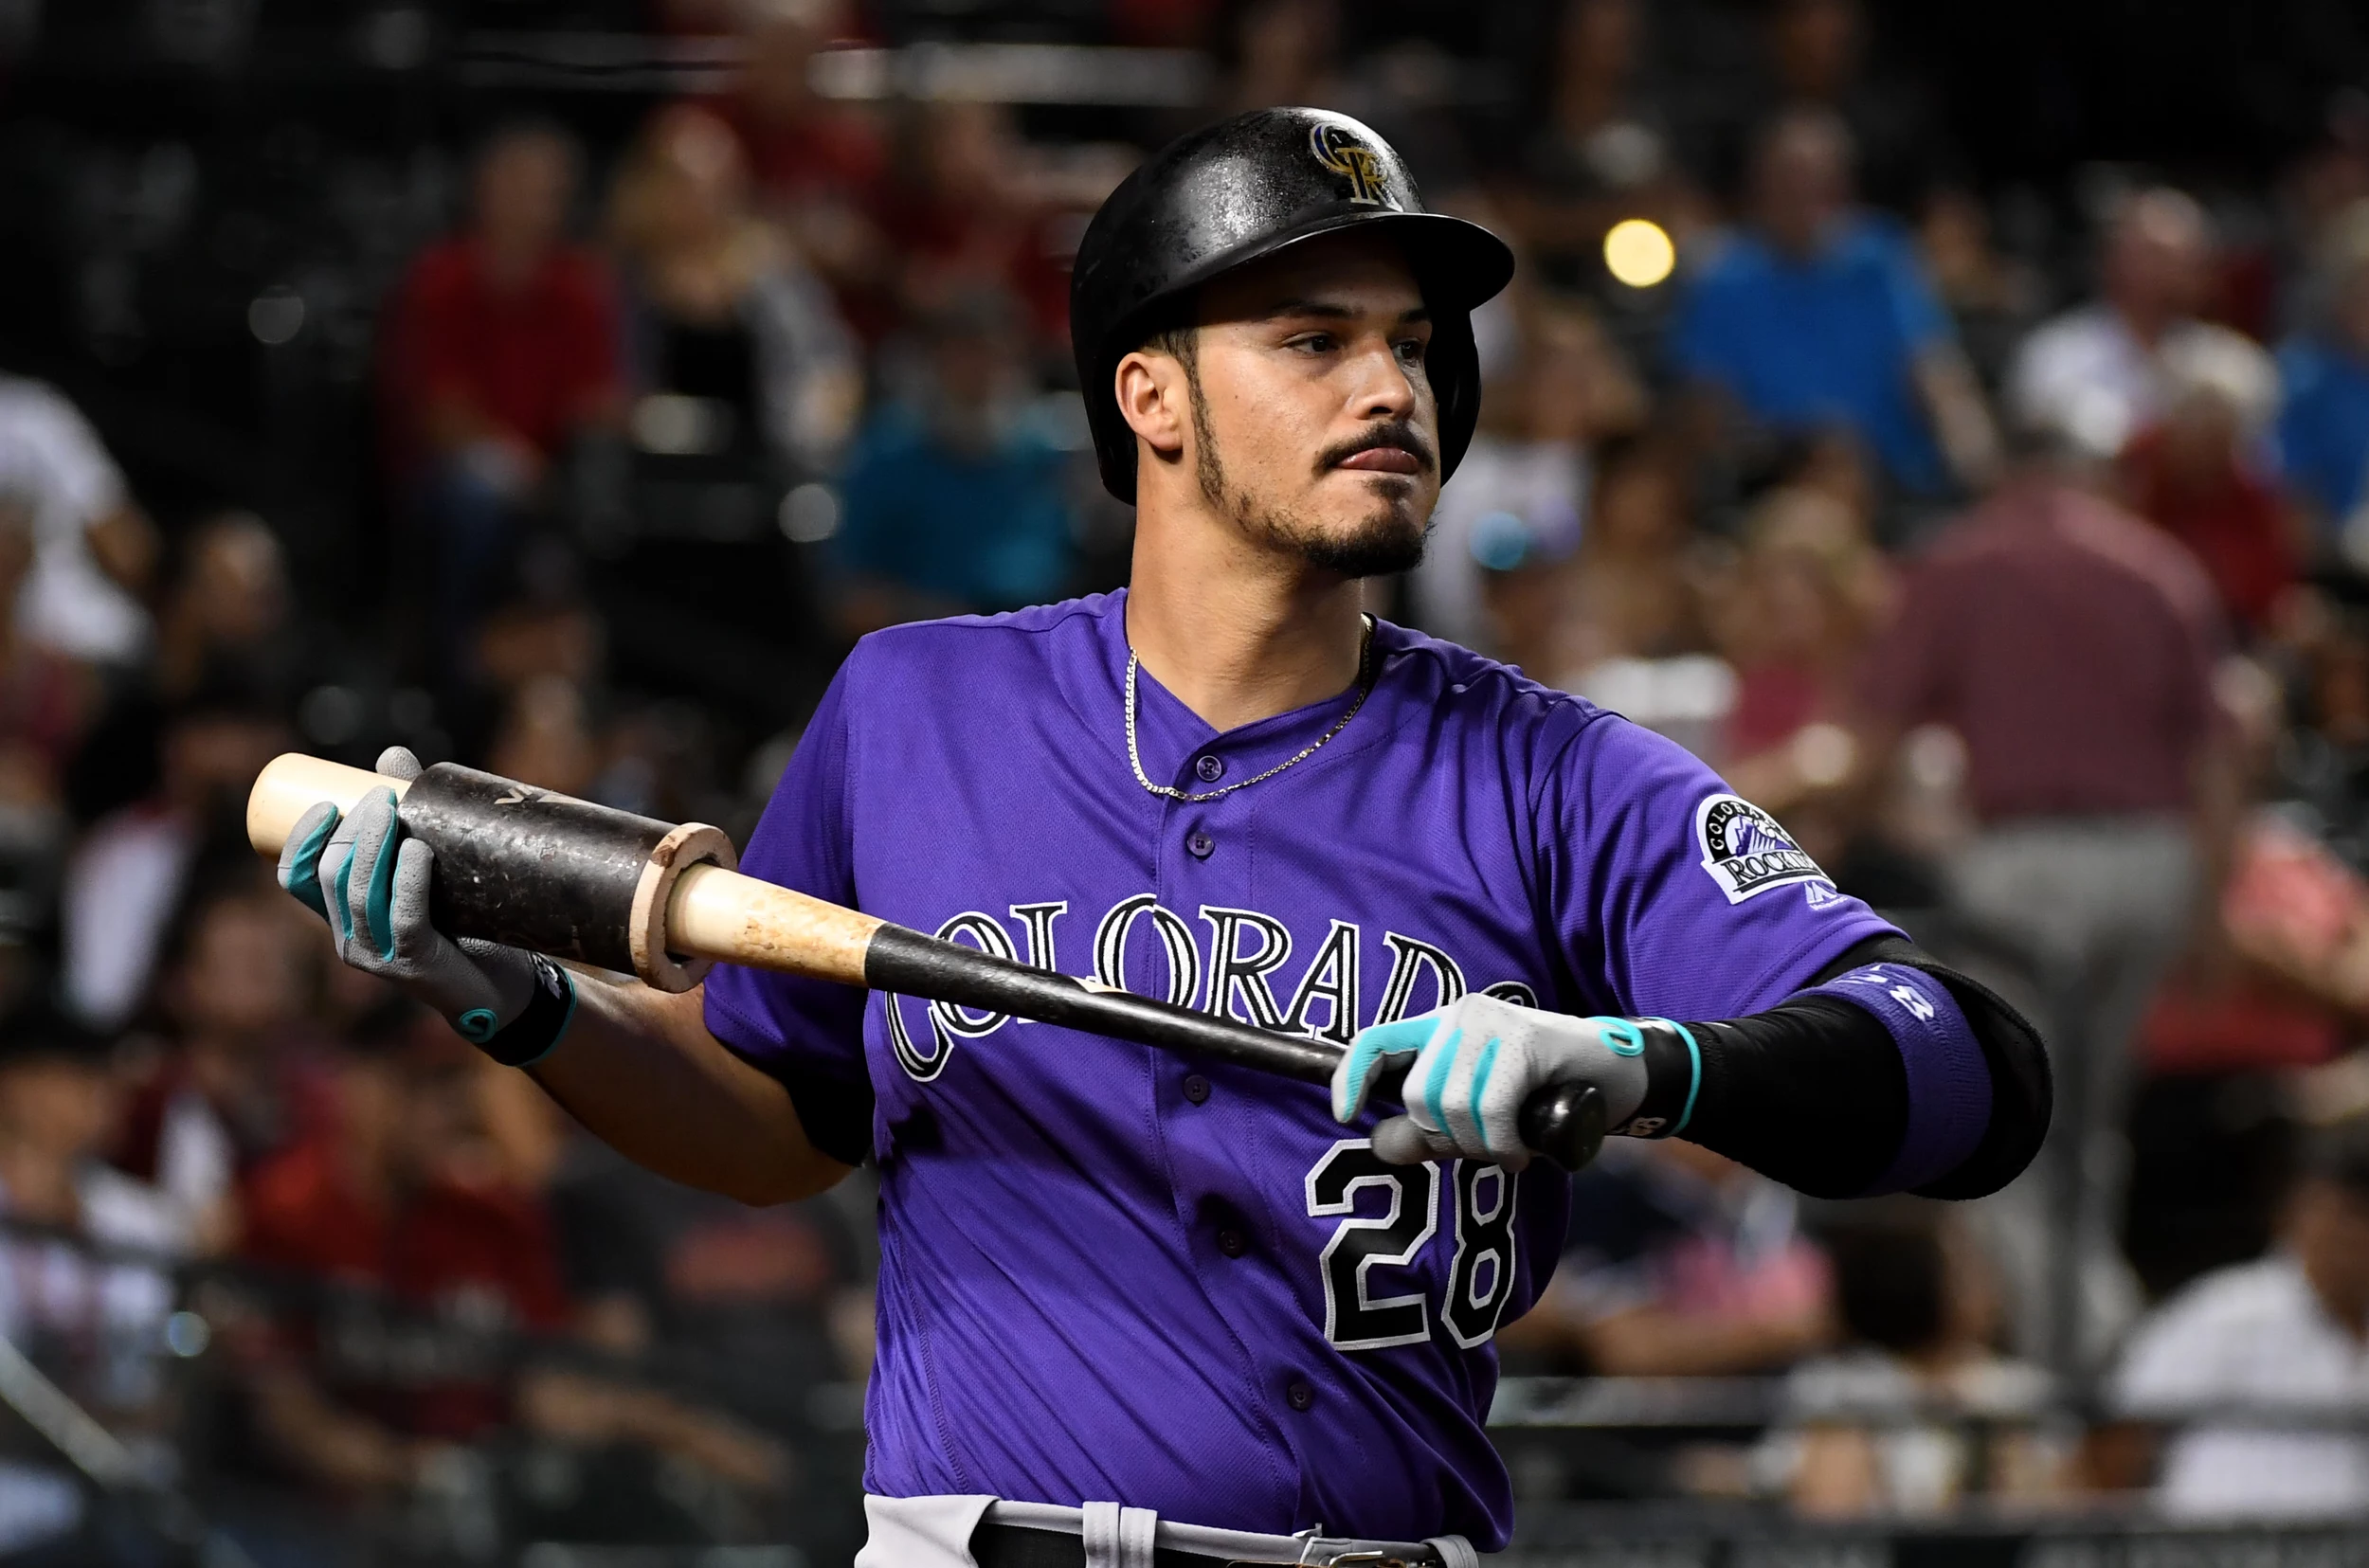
x: 561, y: 386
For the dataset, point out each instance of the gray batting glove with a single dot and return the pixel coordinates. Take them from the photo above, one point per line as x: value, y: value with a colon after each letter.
x: 1470, y: 1066
x: 371, y: 883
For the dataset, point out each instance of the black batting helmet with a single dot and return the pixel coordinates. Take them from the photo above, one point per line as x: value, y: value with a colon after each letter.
x: 1245, y: 189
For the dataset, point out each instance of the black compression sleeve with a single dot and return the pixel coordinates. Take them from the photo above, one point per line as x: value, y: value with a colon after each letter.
x: 1811, y: 1092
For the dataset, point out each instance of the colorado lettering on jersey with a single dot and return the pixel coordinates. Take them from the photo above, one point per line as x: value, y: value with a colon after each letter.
x: 1233, y: 965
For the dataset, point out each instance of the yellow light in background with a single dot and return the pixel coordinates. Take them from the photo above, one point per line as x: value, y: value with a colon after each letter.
x: 1639, y: 253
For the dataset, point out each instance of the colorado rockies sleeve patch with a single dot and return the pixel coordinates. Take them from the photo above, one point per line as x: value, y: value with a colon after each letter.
x: 1746, y: 852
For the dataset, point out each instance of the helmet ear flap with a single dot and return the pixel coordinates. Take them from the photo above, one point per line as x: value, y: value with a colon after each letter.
x: 1452, y: 363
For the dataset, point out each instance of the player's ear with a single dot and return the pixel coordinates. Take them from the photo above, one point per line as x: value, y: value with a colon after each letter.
x: 1154, y: 396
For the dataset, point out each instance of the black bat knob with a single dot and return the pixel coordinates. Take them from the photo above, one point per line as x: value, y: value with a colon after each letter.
x: 1566, y: 1123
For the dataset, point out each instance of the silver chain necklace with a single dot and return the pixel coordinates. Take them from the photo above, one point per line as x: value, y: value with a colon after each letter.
x: 1135, y: 760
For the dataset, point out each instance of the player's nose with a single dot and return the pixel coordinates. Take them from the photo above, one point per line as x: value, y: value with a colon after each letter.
x: 1383, y: 385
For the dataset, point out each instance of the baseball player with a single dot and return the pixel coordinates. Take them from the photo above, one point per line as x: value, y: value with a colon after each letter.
x: 1128, y: 1299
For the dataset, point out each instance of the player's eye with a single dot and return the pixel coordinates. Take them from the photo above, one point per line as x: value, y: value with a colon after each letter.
x: 1411, y: 350
x: 1314, y: 343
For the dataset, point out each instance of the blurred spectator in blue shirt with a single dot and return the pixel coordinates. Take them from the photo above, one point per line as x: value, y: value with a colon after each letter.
x: 1819, y: 316
x: 2323, y: 424
x: 957, y: 497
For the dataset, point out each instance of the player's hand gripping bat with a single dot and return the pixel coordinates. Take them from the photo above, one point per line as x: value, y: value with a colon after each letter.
x: 575, y: 880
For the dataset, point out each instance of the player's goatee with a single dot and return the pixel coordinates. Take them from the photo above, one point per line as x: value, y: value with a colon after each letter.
x: 1379, y: 547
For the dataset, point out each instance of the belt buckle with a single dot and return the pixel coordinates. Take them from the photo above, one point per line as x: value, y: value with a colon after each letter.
x: 1313, y: 1538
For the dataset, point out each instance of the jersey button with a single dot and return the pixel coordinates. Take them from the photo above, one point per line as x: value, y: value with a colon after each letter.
x: 1232, y: 1242
x: 1201, y: 845
x: 1196, y: 1088
x: 1210, y: 768
x: 1300, y: 1395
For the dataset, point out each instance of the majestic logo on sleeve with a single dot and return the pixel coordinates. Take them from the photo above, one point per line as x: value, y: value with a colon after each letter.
x: 1338, y: 148
x: 1746, y: 852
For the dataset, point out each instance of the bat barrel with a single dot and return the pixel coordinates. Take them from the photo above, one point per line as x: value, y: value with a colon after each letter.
x: 549, y: 872
x: 521, y: 866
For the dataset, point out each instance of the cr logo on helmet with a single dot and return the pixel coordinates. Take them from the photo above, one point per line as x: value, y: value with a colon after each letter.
x: 1338, y: 148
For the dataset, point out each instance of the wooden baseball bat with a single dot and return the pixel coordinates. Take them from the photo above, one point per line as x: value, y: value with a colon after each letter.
x: 575, y: 881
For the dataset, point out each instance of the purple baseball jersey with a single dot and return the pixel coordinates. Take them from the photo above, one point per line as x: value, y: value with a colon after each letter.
x: 1109, y: 1273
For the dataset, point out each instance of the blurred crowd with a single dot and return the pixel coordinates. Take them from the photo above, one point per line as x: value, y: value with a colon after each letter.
x: 2022, y: 573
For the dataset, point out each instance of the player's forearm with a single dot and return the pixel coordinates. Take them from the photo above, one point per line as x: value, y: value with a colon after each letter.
x: 640, y: 1069
x: 1888, y: 1077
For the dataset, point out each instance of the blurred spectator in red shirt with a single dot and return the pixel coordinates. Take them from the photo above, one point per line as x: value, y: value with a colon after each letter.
x: 817, y: 165
x: 2072, y: 647
x: 2192, y: 473
x: 441, y: 1271
x: 239, y: 1085
x: 501, y: 344
x: 2296, y: 919
x: 802, y: 147
x: 387, y: 1200
x: 960, y: 217
x: 502, y: 340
